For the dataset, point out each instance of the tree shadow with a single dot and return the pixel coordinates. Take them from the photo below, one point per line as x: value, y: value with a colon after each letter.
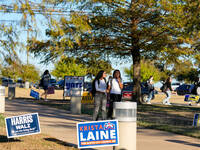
x: 184, y: 142
x: 4, y: 139
x: 65, y: 143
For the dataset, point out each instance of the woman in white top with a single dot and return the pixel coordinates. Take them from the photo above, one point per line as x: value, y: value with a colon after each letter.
x: 100, y: 99
x: 115, y: 86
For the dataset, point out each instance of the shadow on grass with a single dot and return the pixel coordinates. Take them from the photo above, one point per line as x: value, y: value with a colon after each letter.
x: 184, y: 142
x: 4, y: 139
x: 64, y: 143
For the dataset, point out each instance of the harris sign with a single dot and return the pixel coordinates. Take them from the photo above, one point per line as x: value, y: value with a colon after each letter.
x: 22, y: 125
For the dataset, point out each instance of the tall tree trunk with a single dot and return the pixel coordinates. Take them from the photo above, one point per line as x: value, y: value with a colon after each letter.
x: 136, y: 76
x: 135, y: 52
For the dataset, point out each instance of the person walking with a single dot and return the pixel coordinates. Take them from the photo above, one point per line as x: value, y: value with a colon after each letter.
x: 100, y: 98
x: 115, y: 87
x: 167, y: 88
x: 150, y: 89
x: 45, y: 81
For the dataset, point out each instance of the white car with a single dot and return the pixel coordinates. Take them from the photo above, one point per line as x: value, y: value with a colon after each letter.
x: 175, y: 85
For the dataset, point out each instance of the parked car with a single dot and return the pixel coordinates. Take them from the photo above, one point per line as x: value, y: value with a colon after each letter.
x: 60, y: 84
x: 175, y: 85
x: 6, y: 81
x: 183, y: 89
x: 87, y: 86
x: 20, y: 83
x: 53, y: 82
x: 128, y: 91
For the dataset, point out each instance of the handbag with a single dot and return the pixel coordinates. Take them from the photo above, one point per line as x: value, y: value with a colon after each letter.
x: 51, y: 90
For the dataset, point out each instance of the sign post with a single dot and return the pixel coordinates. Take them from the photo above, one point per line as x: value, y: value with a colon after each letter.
x: 73, y: 87
x: 22, y: 125
x: 97, y: 134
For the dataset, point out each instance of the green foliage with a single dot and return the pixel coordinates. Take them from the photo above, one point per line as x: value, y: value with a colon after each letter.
x: 25, y: 72
x: 29, y: 73
x: 147, y: 69
x: 88, y: 66
x: 68, y: 67
x: 185, y: 70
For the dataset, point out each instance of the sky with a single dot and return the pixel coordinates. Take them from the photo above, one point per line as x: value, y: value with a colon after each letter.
x: 42, y: 26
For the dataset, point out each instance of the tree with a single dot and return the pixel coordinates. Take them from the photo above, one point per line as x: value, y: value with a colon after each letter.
x: 29, y: 73
x: 125, y: 29
x: 25, y: 72
x: 80, y: 67
x: 147, y: 69
x: 68, y: 67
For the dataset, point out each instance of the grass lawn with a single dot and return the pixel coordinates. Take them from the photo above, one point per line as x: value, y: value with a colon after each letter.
x: 176, y: 119
x: 31, y: 142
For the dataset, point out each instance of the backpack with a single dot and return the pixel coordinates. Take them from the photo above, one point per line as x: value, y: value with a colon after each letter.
x: 93, y: 91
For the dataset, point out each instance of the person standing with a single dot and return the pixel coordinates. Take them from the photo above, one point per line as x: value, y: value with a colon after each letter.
x: 100, y: 98
x: 150, y: 89
x: 45, y: 83
x: 167, y: 90
x: 115, y: 87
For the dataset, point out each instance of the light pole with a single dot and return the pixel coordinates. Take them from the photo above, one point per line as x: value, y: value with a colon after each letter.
x: 27, y: 47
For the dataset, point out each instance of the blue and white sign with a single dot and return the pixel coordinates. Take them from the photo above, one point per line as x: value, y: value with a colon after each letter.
x: 97, y: 134
x: 22, y: 125
x: 73, y: 85
x: 196, y: 121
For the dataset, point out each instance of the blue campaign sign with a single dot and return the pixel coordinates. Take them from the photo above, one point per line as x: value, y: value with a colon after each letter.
x: 73, y: 85
x: 97, y: 133
x: 22, y: 125
x: 196, y: 121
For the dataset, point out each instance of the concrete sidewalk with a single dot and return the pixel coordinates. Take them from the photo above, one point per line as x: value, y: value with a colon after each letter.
x: 61, y: 125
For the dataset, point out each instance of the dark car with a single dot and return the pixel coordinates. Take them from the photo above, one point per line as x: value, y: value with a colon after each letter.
x: 60, y: 84
x: 6, y: 81
x: 128, y: 91
x: 183, y: 89
x: 87, y: 86
x: 20, y: 83
x: 53, y: 82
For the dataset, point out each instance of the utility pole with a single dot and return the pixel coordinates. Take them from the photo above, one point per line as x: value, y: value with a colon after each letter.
x: 27, y: 46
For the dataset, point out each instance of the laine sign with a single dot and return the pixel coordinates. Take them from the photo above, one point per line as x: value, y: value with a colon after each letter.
x: 97, y: 134
x: 22, y: 125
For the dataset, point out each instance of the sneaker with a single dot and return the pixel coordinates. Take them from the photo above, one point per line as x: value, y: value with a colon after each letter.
x: 168, y: 104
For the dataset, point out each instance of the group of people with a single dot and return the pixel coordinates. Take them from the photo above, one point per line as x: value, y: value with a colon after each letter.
x: 166, y: 89
x: 111, y: 90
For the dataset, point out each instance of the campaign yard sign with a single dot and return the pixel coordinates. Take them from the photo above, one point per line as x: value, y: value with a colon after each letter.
x: 22, y: 125
x: 97, y: 134
x: 73, y: 85
x: 196, y: 121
